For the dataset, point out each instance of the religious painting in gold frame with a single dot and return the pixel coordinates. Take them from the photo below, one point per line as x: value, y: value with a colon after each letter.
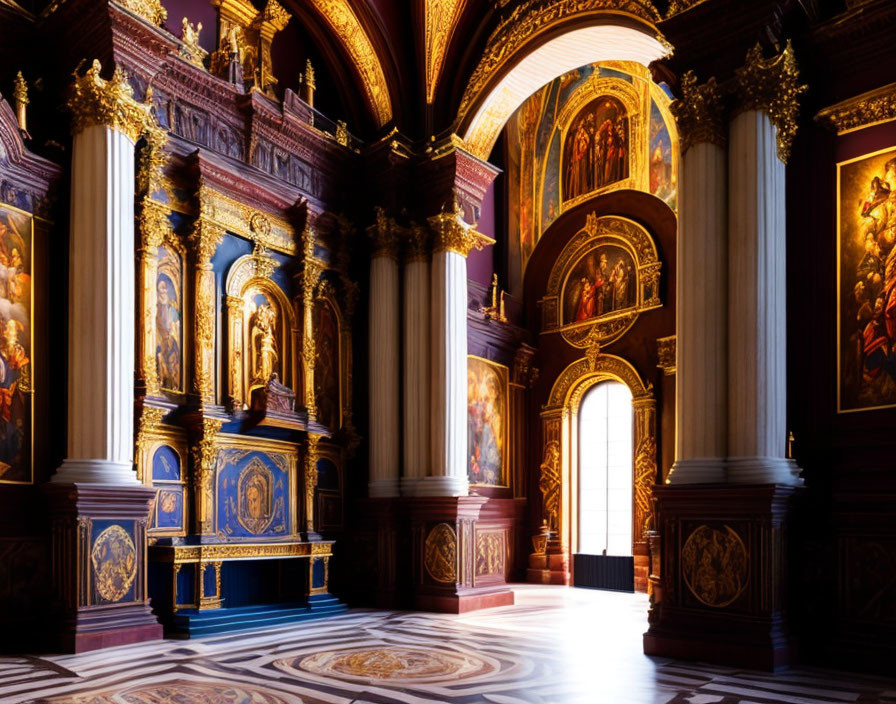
x: 487, y: 392
x: 16, y: 346
x: 169, y: 318
x: 328, y: 370
x: 866, y: 282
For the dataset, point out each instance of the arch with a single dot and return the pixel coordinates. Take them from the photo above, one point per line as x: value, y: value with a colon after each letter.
x: 539, y: 42
x: 560, y: 425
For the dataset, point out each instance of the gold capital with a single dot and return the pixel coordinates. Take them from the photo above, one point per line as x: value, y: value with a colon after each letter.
x: 699, y: 112
x: 417, y: 244
x: 772, y: 86
x: 454, y: 234
x: 384, y: 235
x: 95, y: 101
x: 205, y: 238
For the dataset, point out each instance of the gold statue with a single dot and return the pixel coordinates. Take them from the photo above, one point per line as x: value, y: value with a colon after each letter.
x: 495, y: 311
x: 20, y: 94
x: 264, y: 344
x: 190, y: 48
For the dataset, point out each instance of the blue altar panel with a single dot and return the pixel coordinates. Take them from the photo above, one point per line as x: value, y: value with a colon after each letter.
x: 165, y: 465
x: 253, y: 495
x: 169, y: 507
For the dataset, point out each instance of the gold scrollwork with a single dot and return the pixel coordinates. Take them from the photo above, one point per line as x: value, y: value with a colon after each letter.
x: 490, y: 552
x: 151, y: 10
x: 699, y: 113
x: 190, y: 48
x: 204, y: 458
x: 772, y: 86
x: 453, y: 234
x: 871, y: 108
x: 150, y: 421
x: 205, y: 239
x: 715, y: 565
x: 440, y: 554
x: 312, y: 454
x: 549, y: 483
x: 95, y: 101
x: 440, y: 19
x: 114, y: 560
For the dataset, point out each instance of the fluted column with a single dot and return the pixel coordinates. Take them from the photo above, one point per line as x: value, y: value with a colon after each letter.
x: 760, y: 143
x: 384, y: 364
x: 416, y: 340
x: 701, y: 301
x: 453, y: 240
x: 107, y: 123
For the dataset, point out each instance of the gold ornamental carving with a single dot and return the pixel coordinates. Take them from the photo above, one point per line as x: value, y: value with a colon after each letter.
x: 114, y: 560
x: 20, y: 96
x: 384, y: 235
x: 205, y: 240
x: 440, y: 554
x: 699, y: 113
x: 872, y: 108
x: 490, y: 551
x: 96, y: 101
x: 204, y: 458
x: 666, y: 354
x: 645, y: 478
x: 676, y: 7
x: 715, y: 565
x: 532, y: 18
x: 341, y: 17
x: 772, y: 86
x: 150, y: 421
x: 151, y: 10
x: 453, y: 234
x: 440, y: 19
x: 549, y: 483
x: 312, y: 455
x: 190, y: 48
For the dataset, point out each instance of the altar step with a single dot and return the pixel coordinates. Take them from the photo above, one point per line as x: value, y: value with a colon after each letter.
x: 191, y: 623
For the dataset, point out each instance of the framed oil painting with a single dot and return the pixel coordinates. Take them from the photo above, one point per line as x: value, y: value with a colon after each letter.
x: 866, y: 282
x: 603, y: 281
x: 16, y: 345
x: 487, y: 387
x: 596, y: 148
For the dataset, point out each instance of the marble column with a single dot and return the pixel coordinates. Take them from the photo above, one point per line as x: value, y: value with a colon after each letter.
x: 701, y: 294
x: 760, y: 138
x: 385, y: 456
x: 416, y: 339
x: 107, y: 123
x: 453, y: 241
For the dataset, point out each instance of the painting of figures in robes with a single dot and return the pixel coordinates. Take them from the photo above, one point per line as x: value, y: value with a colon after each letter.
x: 596, y: 148
x: 662, y: 175
x: 867, y: 281
x: 603, y: 281
x: 16, y: 236
x: 326, y: 371
x: 486, y: 421
x: 169, y: 320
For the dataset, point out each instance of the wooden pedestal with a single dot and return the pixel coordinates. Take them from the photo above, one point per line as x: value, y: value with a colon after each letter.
x: 99, y: 565
x: 720, y: 585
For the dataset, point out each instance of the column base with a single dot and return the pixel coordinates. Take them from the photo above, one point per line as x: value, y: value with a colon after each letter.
x: 443, y: 486
x: 551, y: 566
x: 99, y: 564
x: 75, y: 471
x: 383, y: 488
x: 409, y: 486
x: 763, y: 470
x: 702, y: 470
x: 461, y: 603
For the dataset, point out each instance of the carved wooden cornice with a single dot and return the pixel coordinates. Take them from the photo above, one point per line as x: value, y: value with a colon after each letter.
x: 772, y: 86
x: 872, y: 108
x: 699, y: 112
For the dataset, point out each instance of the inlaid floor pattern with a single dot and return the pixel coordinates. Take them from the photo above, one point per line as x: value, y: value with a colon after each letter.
x: 556, y: 646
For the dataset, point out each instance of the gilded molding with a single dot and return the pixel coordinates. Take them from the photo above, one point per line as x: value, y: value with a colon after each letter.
x: 150, y: 421
x: 871, y: 108
x: 676, y: 7
x: 384, y: 235
x: 95, y: 101
x: 440, y: 19
x: 152, y: 158
x: 665, y: 347
x: 312, y: 454
x: 699, y: 113
x: 204, y: 457
x: 340, y: 16
x: 772, y: 86
x: 204, y: 240
x: 151, y: 10
x: 453, y: 234
x: 533, y: 17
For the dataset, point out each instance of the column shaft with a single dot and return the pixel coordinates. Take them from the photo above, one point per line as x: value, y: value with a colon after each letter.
x: 416, y: 374
x: 701, y: 365
x: 101, y: 310
x: 757, y: 409
x: 384, y: 377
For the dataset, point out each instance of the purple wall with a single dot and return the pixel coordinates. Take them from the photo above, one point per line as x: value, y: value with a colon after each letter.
x: 481, y: 264
x: 195, y: 11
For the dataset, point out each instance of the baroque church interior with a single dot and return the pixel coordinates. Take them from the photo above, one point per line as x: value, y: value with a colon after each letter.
x: 447, y: 350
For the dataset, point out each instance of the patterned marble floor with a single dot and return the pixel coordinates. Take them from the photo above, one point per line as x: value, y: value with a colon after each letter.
x: 556, y: 646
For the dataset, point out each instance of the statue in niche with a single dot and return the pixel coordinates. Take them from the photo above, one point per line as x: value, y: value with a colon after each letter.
x: 264, y: 342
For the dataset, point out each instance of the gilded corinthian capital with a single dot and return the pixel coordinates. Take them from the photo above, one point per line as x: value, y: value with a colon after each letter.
x: 384, y: 235
x: 95, y: 101
x: 454, y: 234
x: 772, y: 86
x: 699, y: 112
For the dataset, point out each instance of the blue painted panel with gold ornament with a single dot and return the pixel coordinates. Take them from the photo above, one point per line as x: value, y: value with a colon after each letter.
x: 169, y: 512
x: 166, y: 465
x: 114, y: 561
x: 253, y: 496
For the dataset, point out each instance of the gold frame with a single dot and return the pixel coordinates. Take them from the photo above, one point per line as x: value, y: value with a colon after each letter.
x: 343, y: 331
x: 31, y: 352
x: 176, y: 440
x: 503, y: 373
x: 838, y: 370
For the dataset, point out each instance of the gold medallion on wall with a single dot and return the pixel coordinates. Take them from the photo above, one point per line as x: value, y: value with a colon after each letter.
x: 440, y: 554
x: 114, y: 560
x: 715, y: 565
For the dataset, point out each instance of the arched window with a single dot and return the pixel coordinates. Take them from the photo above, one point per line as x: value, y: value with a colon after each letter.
x: 605, y: 470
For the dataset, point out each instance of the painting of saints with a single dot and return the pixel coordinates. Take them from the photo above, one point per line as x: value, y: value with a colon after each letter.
x: 486, y: 421
x: 326, y: 371
x: 15, y: 346
x: 263, y: 340
x: 168, y: 320
x: 601, y: 282
x: 867, y: 281
x: 595, y: 150
x: 662, y: 176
